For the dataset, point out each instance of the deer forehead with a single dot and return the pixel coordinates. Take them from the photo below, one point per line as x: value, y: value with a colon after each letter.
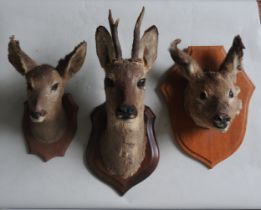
x: 214, y: 84
x: 125, y: 70
x: 43, y: 75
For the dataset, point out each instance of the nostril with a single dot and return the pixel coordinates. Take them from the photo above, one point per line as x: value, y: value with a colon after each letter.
x: 35, y: 115
x: 121, y: 109
x: 227, y: 118
x: 218, y: 118
x: 131, y: 109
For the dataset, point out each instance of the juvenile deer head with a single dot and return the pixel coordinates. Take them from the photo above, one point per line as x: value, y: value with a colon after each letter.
x: 45, y: 84
x: 125, y: 78
x: 211, y: 97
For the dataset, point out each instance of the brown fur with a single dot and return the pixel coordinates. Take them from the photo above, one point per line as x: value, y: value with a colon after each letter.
x: 217, y: 86
x: 124, y: 142
x: 45, y: 89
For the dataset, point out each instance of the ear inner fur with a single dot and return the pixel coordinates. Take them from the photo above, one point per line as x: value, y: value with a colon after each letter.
x: 19, y: 59
x: 72, y: 62
x: 104, y: 46
x: 233, y: 60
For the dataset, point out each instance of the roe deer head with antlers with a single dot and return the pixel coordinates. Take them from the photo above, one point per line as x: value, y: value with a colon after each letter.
x: 211, y: 97
x: 45, y: 89
x: 124, y: 142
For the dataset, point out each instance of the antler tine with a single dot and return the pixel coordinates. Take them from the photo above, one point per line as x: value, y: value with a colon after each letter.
x: 136, y: 38
x: 114, y: 33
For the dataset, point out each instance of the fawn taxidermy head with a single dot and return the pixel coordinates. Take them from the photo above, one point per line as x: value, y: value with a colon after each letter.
x: 124, y: 144
x: 211, y: 97
x: 45, y: 84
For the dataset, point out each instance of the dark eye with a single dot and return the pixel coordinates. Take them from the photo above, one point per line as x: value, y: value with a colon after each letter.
x: 231, y: 94
x: 108, y: 82
x: 54, y: 87
x: 29, y: 86
x: 141, y: 83
x: 203, y: 95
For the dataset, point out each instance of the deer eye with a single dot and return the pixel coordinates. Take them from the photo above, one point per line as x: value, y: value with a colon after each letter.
x: 108, y: 82
x: 203, y: 95
x: 231, y: 94
x: 54, y: 87
x: 29, y: 86
x: 141, y: 83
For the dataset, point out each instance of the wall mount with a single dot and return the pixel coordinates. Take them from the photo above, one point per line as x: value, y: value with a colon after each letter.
x: 205, y: 145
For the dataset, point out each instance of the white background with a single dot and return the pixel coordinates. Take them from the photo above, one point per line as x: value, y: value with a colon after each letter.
x: 48, y: 30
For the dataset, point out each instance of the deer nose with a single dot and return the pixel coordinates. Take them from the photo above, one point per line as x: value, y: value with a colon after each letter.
x: 37, y: 115
x: 221, y: 121
x: 126, y: 112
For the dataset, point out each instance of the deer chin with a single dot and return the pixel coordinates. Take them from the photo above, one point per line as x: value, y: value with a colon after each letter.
x: 38, y: 120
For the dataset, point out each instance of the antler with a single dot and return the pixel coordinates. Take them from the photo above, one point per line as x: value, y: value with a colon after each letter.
x: 180, y: 57
x: 136, y: 39
x: 184, y: 60
x: 115, y: 37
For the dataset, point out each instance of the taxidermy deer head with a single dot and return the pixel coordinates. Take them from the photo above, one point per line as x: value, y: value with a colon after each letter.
x: 45, y: 87
x: 124, y: 147
x: 211, y: 97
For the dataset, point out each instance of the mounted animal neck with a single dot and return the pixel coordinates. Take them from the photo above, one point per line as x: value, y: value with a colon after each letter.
x: 211, y: 97
x: 123, y: 146
x: 45, y: 89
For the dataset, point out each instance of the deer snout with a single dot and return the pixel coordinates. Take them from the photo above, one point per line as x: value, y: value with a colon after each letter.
x: 37, y: 116
x: 221, y: 121
x: 126, y: 112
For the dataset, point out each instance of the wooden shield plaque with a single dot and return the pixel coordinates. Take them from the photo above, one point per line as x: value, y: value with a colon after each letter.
x: 206, y: 145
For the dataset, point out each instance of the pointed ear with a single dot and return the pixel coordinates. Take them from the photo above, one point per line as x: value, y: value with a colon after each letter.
x: 19, y: 59
x: 72, y: 62
x: 233, y: 60
x: 190, y: 68
x: 104, y: 46
x: 149, y: 46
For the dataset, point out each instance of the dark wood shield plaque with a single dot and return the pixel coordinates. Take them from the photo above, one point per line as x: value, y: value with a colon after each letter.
x: 93, y: 157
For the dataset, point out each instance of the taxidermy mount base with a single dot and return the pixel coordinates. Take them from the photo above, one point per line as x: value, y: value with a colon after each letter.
x: 206, y: 145
x: 94, y: 159
x: 58, y: 148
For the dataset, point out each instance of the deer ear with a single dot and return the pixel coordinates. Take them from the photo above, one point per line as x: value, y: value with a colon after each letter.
x: 190, y: 68
x: 149, y: 46
x: 233, y: 60
x: 19, y: 59
x: 104, y: 46
x: 72, y: 62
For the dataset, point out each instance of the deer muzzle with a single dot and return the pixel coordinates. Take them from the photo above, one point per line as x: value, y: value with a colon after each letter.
x: 221, y: 121
x: 38, y: 116
x: 126, y: 112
